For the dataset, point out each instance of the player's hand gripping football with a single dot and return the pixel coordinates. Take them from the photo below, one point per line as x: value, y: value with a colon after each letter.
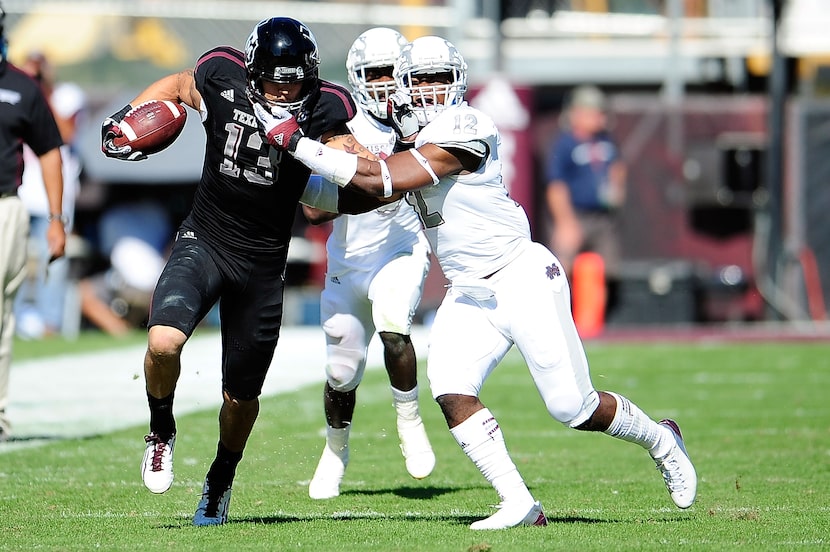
x: 280, y: 126
x: 111, y: 129
x: 401, y: 117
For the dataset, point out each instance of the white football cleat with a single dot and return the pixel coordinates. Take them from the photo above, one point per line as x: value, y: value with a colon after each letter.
x: 213, y: 506
x: 677, y: 469
x: 415, y: 447
x: 328, y: 475
x: 512, y: 515
x: 157, y: 464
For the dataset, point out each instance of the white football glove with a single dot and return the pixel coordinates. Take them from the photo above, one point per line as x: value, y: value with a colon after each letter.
x: 280, y: 126
x: 400, y: 115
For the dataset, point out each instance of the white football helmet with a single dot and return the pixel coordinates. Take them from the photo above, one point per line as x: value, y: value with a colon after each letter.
x: 431, y: 55
x: 377, y: 48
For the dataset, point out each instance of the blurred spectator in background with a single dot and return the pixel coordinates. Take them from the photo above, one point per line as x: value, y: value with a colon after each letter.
x: 586, y: 185
x: 38, y: 67
x: 135, y: 238
x: 40, y: 303
x: 25, y: 117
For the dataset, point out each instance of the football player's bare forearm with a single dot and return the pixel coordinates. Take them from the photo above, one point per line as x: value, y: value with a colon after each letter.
x: 349, y: 144
x: 401, y: 172
x: 405, y: 171
x: 178, y: 87
x: 368, y: 178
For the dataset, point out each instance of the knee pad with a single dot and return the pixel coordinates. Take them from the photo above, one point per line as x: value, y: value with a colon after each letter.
x: 572, y: 409
x: 345, y: 351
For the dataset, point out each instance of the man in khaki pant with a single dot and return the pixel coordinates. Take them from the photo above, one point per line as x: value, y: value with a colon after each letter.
x: 25, y: 117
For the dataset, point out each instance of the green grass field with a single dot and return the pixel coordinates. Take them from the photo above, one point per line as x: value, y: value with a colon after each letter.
x: 755, y: 418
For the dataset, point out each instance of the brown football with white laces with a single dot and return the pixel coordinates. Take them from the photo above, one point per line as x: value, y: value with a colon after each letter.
x: 152, y: 126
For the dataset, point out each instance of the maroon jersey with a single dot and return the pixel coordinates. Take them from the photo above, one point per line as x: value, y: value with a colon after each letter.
x: 248, y: 194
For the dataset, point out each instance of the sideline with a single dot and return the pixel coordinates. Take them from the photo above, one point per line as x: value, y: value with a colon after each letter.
x: 85, y: 395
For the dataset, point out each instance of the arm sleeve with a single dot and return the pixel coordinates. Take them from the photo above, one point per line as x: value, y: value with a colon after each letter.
x: 320, y: 193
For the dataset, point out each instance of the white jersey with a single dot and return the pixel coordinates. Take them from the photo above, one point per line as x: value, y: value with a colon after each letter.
x: 364, y: 242
x: 472, y: 224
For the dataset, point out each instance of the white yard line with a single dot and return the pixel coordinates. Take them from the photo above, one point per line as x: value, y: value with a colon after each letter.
x: 83, y: 395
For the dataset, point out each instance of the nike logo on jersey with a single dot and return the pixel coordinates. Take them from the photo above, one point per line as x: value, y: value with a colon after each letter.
x: 227, y: 94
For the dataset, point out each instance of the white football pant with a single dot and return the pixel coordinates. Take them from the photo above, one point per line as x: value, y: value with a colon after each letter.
x: 356, y: 304
x: 527, y: 303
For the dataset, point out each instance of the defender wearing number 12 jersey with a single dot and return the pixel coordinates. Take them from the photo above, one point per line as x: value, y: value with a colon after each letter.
x: 472, y: 224
x: 505, y: 289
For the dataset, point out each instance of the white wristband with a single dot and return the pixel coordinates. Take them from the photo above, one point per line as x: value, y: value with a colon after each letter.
x: 332, y: 164
x: 386, y: 178
x: 425, y: 164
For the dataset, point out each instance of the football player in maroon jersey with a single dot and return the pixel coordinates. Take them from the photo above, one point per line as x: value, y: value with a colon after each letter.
x: 232, y: 246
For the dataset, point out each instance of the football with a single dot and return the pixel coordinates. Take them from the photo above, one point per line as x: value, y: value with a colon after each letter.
x: 152, y: 126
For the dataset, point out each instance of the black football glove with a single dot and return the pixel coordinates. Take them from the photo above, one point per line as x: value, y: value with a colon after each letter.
x: 401, y: 117
x: 111, y: 129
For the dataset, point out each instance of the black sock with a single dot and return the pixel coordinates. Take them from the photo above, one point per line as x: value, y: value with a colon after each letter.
x: 222, y: 471
x: 162, y: 422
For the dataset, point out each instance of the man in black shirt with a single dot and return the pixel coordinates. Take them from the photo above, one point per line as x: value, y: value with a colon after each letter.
x: 25, y: 117
x: 232, y: 246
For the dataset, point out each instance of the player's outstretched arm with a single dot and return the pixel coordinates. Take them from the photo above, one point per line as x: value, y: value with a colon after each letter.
x: 348, y: 143
x: 179, y: 87
x: 324, y: 200
x: 402, y: 172
x: 413, y: 169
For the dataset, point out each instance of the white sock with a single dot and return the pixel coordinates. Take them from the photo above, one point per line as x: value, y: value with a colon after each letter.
x: 631, y: 424
x: 406, y: 406
x: 482, y: 441
x: 337, y: 439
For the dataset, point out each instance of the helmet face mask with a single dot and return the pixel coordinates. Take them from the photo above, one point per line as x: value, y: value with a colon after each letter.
x: 434, y: 74
x: 373, y: 54
x: 284, y: 51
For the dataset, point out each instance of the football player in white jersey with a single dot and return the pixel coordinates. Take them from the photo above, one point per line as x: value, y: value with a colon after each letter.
x: 377, y: 263
x: 505, y: 289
